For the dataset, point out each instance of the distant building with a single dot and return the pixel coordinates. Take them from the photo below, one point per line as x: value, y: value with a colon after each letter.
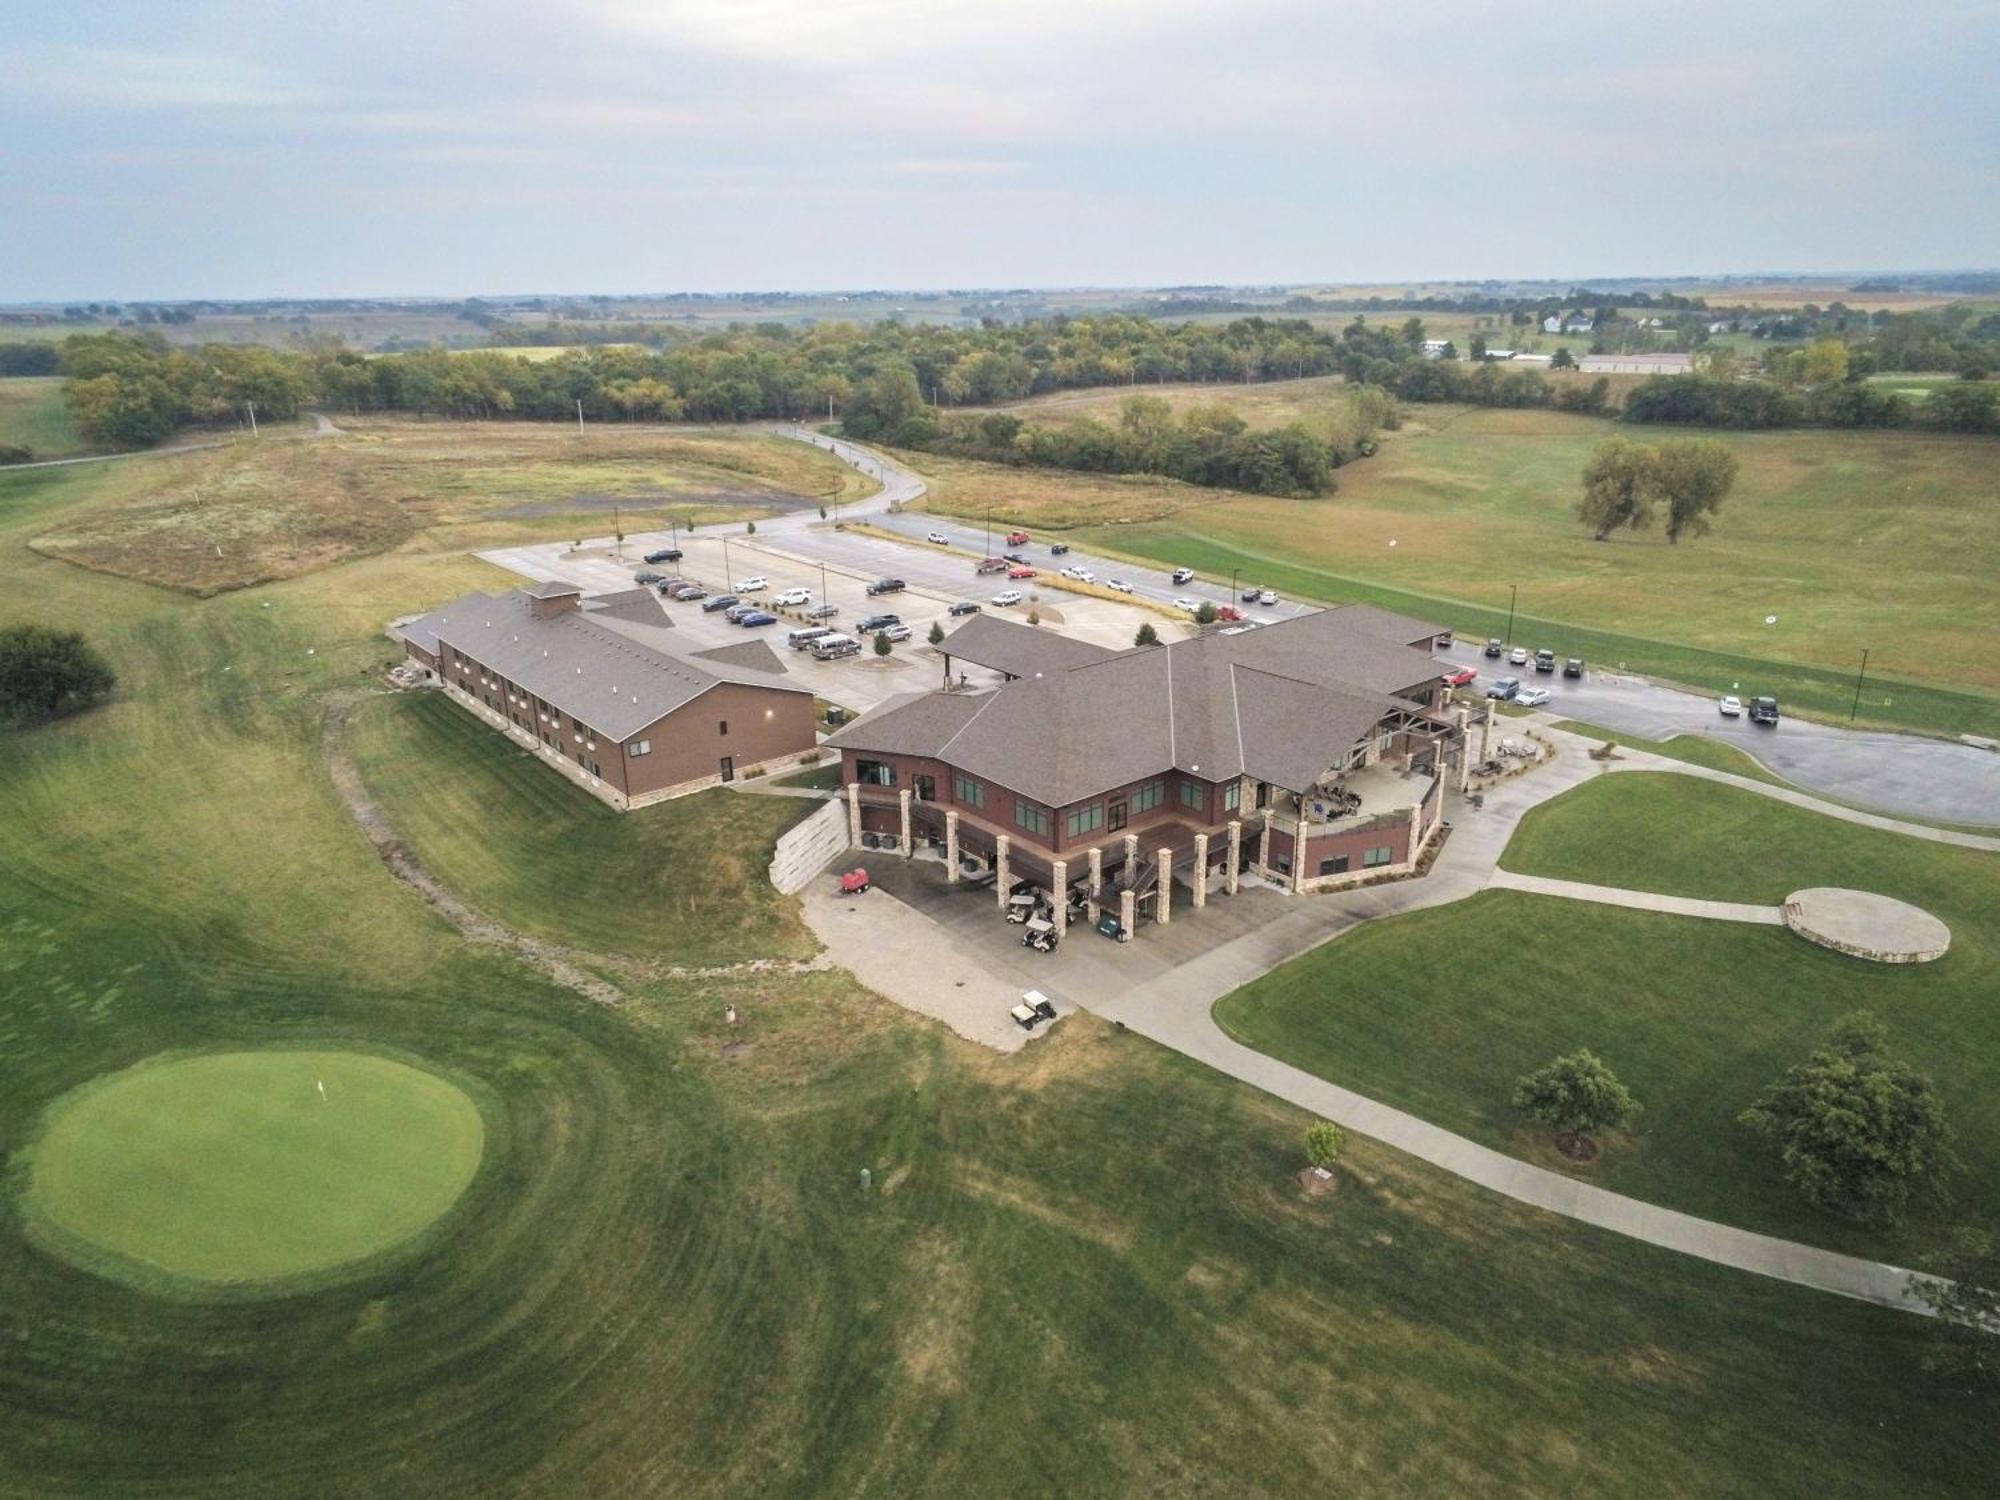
x: 1500, y: 354
x: 1578, y: 322
x: 1553, y: 323
x: 1636, y: 364
x: 1435, y: 348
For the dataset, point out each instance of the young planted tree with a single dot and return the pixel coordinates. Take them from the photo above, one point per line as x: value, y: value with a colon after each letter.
x: 1147, y: 635
x: 1324, y: 1143
x: 1858, y: 1131
x: 882, y: 643
x: 1618, y: 487
x: 1579, y: 1096
x: 45, y: 674
x: 1692, y: 475
x: 936, y: 636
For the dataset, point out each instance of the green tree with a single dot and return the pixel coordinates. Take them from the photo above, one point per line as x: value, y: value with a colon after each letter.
x: 1962, y: 1291
x: 882, y: 643
x: 1823, y: 362
x: 1477, y: 348
x: 1576, y: 1094
x: 1147, y: 635
x: 1857, y: 1131
x: 46, y: 673
x: 937, y: 633
x: 1618, y: 487
x: 1692, y: 475
x: 1563, y: 360
x: 1205, y: 613
x: 1324, y: 1142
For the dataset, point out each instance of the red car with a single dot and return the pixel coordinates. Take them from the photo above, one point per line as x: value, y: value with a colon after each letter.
x: 1017, y: 538
x: 1461, y: 677
x: 990, y: 565
x: 1020, y: 572
x: 1230, y: 613
x: 854, y: 882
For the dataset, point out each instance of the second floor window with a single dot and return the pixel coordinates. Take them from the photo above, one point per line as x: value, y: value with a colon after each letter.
x: 1152, y: 794
x: 965, y: 789
x: 1032, y: 818
x: 1085, y: 820
x: 1194, y: 794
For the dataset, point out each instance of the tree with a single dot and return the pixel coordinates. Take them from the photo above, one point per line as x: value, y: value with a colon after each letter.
x: 881, y: 643
x: 1563, y: 360
x: 1692, y: 475
x: 1205, y: 613
x: 1823, y: 362
x: 1578, y: 1095
x: 46, y: 673
x: 1618, y: 487
x: 1858, y: 1131
x: 1147, y: 635
x: 937, y: 633
x: 1477, y: 348
x: 1963, y: 1294
x: 1324, y: 1141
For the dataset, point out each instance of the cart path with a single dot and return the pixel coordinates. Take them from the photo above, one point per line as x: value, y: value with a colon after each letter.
x: 1611, y: 895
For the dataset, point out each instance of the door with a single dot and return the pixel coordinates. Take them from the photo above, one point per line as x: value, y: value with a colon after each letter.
x: 728, y: 768
x: 1114, y: 816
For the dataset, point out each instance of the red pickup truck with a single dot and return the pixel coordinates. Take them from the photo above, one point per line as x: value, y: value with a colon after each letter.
x: 1017, y: 538
x: 990, y: 565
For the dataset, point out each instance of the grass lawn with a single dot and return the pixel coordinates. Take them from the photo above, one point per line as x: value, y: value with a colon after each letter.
x: 1083, y: 1270
x: 1439, y: 1012
x: 681, y: 882
x: 33, y: 415
x: 249, y: 1167
x: 1695, y: 749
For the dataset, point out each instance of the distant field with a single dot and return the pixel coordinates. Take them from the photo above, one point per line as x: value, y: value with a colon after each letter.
x: 33, y: 415
x: 213, y: 521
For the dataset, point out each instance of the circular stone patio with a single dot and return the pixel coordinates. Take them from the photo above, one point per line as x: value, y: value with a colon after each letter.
x: 1867, y: 925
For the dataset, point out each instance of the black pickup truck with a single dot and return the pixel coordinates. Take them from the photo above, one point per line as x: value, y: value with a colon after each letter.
x: 886, y: 586
x: 1763, y: 710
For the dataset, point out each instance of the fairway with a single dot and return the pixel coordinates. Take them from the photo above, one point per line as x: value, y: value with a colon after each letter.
x: 240, y: 1167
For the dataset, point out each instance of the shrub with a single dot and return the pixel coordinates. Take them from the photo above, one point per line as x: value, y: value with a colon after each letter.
x: 46, y: 673
x: 1324, y: 1141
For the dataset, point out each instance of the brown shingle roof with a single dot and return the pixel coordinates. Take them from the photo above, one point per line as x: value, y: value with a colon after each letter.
x: 1018, y: 650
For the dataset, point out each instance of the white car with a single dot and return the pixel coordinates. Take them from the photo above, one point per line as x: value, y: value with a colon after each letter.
x: 1183, y: 575
x: 1006, y: 597
x: 1190, y: 605
x: 1532, y: 697
x: 1730, y: 706
x: 939, y: 538
x: 1267, y: 598
x: 1119, y: 584
x: 793, y: 596
x: 1518, y: 657
x: 1081, y: 575
x: 750, y: 585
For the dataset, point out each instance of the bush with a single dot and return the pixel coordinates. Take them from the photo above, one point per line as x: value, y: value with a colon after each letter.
x: 1147, y: 635
x: 46, y: 673
x: 882, y: 643
x: 1324, y: 1141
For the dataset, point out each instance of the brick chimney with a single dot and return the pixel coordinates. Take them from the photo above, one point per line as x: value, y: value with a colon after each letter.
x: 547, y: 600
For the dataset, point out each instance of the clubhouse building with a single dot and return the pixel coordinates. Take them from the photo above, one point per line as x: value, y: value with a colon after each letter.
x: 608, y: 696
x: 1311, y: 753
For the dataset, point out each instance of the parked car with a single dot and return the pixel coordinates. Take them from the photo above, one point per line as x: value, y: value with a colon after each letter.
x: 1057, y: 549
x: 1017, y: 538
x: 1763, y: 710
x: 937, y: 538
x: 720, y: 601
x: 1228, y: 613
x: 872, y: 623
x: 1504, y: 688
x: 1518, y: 657
x: 648, y: 576
x: 1119, y: 584
x: 1266, y: 598
x: 665, y: 554
x: 1532, y: 697
x: 1016, y: 559
x: 1494, y: 649
x: 735, y: 613
x: 1020, y: 571
x: 751, y: 619
x: 1573, y: 667
x: 1006, y: 597
x: 1081, y: 575
x: 793, y: 597
x: 684, y: 590
x: 1190, y: 605
x: 1729, y: 706
x: 1545, y: 661
x: 886, y: 586
x: 801, y: 640
x: 753, y: 585
x: 990, y: 565
x: 897, y: 632
x: 822, y: 611
x: 1183, y: 575
x: 1250, y: 594
x: 831, y: 647
x: 963, y: 607
x: 1462, y: 677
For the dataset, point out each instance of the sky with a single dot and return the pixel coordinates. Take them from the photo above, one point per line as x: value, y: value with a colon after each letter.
x: 219, y: 148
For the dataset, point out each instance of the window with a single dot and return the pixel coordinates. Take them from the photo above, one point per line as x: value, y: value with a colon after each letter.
x: 1380, y: 856
x: 874, y: 773
x: 639, y: 747
x: 1194, y: 794
x: 1335, y: 866
x: 1085, y: 820
x: 1032, y: 818
x: 596, y: 769
x: 1152, y: 794
x: 926, y: 788
x: 965, y: 789
x: 722, y: 726
x: 1232, y: 796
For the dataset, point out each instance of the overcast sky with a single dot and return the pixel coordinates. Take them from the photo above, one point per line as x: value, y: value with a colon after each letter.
x: 224, y: 148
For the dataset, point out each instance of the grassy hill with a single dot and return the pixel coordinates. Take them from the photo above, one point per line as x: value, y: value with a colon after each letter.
x: 33, y: 415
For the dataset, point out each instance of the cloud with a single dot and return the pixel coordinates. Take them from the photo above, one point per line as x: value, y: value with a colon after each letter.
x: 117, y: 78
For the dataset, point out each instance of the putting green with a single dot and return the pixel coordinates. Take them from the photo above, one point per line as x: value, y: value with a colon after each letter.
x: 234, y: 1168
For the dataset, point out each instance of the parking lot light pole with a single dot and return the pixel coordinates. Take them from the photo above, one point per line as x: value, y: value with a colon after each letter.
x: 1859, y: 678
x: 728, y: 573
x: 1513, y: 593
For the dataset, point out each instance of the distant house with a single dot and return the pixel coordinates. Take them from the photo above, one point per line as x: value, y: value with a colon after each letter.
x: 1720, y: 327
x: 1532, y: 359
x: 1499, y: 353
x: 1553, y: 323
x: 1435, y: 348
x: 1636, y: 364
x: 1578, y: 322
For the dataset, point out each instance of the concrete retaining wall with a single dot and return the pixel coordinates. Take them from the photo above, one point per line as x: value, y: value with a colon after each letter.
x: 804, y: 851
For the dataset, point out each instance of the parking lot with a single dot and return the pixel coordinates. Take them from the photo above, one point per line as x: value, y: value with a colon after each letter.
x: 858, y: 682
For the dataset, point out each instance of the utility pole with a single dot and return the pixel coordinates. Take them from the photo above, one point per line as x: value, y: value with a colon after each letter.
x: 1858, y: 679
x: 253, y: 417
x: 822, y: 580
x: 989, y: 531
x: 829, y: 406
x: 1513, y: 593
x: 579, y: 416
x: 1232, y: 584
x: 728, y: 573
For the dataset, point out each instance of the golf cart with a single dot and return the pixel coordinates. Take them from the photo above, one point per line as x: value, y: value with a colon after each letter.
x: 854, y: 882
x: 1039, y: 935
x: 1035, y: 1008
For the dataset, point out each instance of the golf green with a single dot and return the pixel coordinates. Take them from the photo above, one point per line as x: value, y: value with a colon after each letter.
x: 241, y: 1168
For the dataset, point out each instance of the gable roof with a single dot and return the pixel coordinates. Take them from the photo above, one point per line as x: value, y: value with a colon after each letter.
x: 610, y: 666
x: 1019, y: 650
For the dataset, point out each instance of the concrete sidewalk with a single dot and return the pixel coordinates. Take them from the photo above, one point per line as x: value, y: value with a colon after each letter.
x: 1611, y: 895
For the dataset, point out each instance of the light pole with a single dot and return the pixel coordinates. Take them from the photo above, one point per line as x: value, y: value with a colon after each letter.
x: 1858, y: 679
x: 1232, y: 584
x: 728, y: 573
x: 1513, y: 593
x: 253, y: 417
x: 579, y: 416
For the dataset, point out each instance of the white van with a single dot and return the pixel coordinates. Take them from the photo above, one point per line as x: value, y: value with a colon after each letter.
x: 828, y: 647
x: 798, y: 640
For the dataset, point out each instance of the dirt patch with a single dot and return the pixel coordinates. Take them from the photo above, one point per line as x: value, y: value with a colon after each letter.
x: 934, y: 1340
x: 1577, y: 1150
x: 1021, y: 1197
x: 1317, y: 1182
x: 658, y: 499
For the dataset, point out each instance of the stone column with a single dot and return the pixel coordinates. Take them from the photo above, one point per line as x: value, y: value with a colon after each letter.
x: 903, y: 807
x: 1163, y: 907
x: 1264, y: 844
x: 1126, y: 915
x: 1200, y: 871
x: 1416, y: 832
x: 1001, y: 880
x: 1091, y: 907
x: 1299, y: 854
x: 1486, y: 734
x: 1230, y: 879
x: 951, y: 846
x: 854, y: 814
x: 1059, y: 889
x: 1131, y: 858
x: 1464, y: 747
